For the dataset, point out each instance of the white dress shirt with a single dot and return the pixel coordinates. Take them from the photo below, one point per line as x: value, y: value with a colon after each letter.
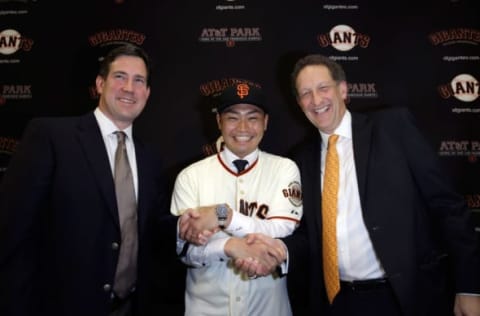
x: 356, y: 257
x: 107, y: 128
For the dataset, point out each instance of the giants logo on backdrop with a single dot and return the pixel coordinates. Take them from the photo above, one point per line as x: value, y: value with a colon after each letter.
x: 460, y: 148
x: 7, y: 147
x: 343, y: 38
x: 463, y: 87
x: 116, y: 36
x: 230, y: 35
x: 14, y: 92
x: 113, y: 37
x: 12, y: 41
x: 455, y: 36
x: 210, y: 90
x: 229, y: 5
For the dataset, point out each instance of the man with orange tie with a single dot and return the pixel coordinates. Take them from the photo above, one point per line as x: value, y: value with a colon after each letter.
x: 383, y: 232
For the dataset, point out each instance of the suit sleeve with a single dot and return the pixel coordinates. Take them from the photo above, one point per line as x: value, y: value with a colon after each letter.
x: 23, y: 201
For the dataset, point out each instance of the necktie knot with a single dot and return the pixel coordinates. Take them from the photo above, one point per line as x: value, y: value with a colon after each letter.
x: 240, y: 164
x: 332, y: 140
x: 120, y: 137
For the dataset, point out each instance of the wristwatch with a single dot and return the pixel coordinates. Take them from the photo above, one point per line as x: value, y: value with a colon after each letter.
x: 222, y: 215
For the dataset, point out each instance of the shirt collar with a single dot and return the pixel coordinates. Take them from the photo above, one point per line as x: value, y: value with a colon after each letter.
x: 228, y: 156
x: 344, y: 129
x: 107, y: 127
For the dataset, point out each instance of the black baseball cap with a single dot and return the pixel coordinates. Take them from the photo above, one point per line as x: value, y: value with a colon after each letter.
x: 241, y: 93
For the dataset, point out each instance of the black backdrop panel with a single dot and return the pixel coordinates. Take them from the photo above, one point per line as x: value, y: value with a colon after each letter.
x: 426, y: 58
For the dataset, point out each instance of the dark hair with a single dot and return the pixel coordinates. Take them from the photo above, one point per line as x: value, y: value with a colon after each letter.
x: 335, y: 69
x: 124, y: 50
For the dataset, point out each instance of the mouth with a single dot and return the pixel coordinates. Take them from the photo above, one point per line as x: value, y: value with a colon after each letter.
x: 242, y: 139
x: 321, y: 109
x: 127, y: 100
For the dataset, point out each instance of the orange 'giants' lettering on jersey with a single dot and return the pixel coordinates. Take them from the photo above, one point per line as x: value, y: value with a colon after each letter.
x: 252, y: 209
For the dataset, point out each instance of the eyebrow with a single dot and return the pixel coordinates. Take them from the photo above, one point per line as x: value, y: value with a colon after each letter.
x: 252, y: 111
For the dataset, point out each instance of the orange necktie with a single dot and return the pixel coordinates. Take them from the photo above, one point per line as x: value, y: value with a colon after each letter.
x: 329, y: 218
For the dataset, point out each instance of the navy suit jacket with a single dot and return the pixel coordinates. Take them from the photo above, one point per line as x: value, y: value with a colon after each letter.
x: 420, y: 229
x: 59, y: 222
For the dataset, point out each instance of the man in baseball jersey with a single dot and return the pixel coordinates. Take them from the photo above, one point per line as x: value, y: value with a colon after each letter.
x: 264, y: 197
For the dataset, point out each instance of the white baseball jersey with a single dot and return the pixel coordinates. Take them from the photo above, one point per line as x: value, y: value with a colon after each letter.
x: 267, y: 193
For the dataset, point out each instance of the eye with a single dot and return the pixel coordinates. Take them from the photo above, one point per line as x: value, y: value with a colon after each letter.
x: 305, y: 94
x: 231, y: 117
x: 324, y: 89
x: 140, y: 80
x: 119, y: 76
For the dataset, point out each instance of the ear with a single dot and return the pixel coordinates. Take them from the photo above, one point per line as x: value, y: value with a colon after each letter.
x: 343, y: 88
x: 265, y: 122
x: 217, y: 116
x: 297, y: 98
x: 99, y: 82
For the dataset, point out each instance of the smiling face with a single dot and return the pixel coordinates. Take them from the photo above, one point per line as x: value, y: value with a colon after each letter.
x: 242, y: 127
x: 124, y: 91
x: 321, y: 98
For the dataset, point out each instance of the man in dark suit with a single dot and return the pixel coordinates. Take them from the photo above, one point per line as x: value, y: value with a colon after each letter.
x: 60, y: 230
x: 405, y: 241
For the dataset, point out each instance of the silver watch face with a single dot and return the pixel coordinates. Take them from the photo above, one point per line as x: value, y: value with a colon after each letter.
x: 222, y: 211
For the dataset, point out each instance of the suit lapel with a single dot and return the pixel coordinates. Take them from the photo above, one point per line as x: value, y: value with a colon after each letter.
x: 143, y: 185
x: 91, y: 141
x: 361, y: 134
x: 310, y: 169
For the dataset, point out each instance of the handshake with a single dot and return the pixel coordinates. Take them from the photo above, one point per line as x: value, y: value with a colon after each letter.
x: 255, y: 254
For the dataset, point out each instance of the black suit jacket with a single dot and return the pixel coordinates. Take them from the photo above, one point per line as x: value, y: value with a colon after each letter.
x: 59, y: 221
x: 416, y: 222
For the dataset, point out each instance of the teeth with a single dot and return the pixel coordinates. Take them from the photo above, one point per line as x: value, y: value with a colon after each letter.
x: 321, y: 110
x: 242, y: 138
x: 127, y: 100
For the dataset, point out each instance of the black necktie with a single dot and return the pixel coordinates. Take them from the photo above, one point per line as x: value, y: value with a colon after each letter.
x: 240, y: 164
x: 125, y: 275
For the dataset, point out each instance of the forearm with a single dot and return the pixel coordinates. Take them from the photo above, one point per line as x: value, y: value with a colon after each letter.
x: 242, y: 225
x: 203, y: 255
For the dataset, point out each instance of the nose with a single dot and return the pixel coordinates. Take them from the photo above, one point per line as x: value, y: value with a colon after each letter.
x: 317, y: 98
x: 128, y: 86
x: 242, y: 124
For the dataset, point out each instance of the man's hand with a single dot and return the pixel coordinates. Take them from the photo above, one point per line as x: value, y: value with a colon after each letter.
x: 198, y: 225
x: 467, y: 305
x: 256, y: 254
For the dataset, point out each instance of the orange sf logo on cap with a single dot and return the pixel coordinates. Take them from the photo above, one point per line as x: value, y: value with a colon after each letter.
x: 242, y: 90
